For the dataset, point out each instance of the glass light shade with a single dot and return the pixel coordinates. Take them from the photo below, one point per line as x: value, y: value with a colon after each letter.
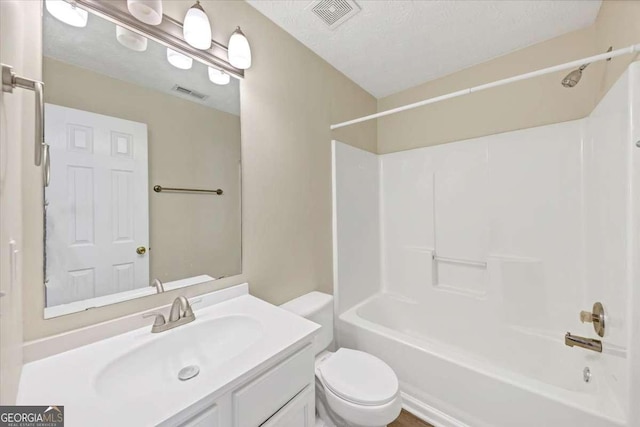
x: 196, y: 28
x: 147, y: 11
x: 179, y: 60
x: 239, y: 50
x: 218, y: 77
x: 128, y: 38
x: 67, y: 13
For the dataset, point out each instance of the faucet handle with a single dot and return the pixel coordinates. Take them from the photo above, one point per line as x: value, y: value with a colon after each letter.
x: 190, y: 303
x: 159, y: 320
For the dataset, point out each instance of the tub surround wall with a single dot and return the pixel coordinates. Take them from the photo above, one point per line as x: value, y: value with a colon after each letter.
x: 289, y: 98
x: 521, y: 105
x: 356, y: 225
x: 549, y: 210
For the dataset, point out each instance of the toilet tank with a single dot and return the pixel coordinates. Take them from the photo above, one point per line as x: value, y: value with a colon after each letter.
x: 317, y: 307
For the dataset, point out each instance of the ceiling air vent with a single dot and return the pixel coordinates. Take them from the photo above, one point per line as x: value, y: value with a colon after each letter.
x: 183, y: 90
x: 334, y: 12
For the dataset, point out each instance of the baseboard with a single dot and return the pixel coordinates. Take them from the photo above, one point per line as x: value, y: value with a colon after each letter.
x: 428, y: 413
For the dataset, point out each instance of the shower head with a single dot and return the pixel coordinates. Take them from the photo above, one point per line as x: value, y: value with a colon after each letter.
x: 573, y: 78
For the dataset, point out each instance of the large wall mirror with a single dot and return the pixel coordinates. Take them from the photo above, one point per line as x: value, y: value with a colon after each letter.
x: 145, y: 168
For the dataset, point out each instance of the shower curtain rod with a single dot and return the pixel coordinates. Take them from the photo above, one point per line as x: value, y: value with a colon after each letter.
x: 565, y: 66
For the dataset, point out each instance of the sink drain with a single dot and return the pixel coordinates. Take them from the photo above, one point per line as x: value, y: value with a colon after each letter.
x: 188, y: 372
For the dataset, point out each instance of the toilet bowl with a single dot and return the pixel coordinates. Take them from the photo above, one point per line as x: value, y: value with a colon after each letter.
x: 353, y: 388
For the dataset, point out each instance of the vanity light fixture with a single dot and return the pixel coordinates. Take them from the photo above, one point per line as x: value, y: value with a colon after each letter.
x: 179, y: 60
x: 131, y: 40
x: 147, y: 11
x: 197, y: 28
x: 67, y: 12
x: 218, y: 77
x: 239, y: 50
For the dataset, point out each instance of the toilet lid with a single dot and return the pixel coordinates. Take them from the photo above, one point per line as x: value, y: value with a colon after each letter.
x: 359, y: 377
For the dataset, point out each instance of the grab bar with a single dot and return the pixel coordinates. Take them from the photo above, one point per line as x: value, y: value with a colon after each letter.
x: 11, y: 81
x: 459, y: 261
x: 159, y: 189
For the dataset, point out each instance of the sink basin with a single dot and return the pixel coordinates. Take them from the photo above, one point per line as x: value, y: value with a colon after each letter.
x: 207, y: 344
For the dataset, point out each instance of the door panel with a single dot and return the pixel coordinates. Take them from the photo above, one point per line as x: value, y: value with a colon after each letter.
x: 97, y: 205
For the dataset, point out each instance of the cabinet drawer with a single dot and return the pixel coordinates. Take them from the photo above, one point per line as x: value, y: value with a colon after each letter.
x: 254, y: 403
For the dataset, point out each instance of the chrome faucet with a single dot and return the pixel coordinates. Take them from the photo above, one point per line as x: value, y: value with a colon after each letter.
x: 181, y: 313
x: 586, y: 343
x: 157, y: 283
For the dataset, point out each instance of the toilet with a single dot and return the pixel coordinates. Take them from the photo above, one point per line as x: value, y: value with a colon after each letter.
x: 353, y: 388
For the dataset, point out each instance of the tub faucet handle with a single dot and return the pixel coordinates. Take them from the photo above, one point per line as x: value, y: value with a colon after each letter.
x: 595, y: 316
x: 586, y: 316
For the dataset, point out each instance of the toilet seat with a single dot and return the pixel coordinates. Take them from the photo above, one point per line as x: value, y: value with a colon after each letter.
x: 359, y: 378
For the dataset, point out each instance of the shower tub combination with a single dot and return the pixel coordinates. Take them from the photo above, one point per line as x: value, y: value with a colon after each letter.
x: 488, y: 249
x: 448, y: 385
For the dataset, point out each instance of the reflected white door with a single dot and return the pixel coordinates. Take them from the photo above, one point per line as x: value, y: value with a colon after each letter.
x: 97, y: 205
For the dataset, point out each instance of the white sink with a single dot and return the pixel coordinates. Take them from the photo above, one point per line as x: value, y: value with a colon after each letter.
x: 207, y: 344
x: 132, y: 379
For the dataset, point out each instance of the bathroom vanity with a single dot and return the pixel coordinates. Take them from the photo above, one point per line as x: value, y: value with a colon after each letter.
x: 254, y: 364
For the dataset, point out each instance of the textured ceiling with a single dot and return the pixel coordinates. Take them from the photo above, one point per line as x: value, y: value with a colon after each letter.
x: 394, y: 45
x: 95, y: 48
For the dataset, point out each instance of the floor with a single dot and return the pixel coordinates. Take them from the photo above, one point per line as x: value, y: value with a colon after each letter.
x: 407, y: 419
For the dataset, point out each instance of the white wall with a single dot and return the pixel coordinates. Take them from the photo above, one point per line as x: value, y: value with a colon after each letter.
x: 356, y: 225
x: 633, y: 300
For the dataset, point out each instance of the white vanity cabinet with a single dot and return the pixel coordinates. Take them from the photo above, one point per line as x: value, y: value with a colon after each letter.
x: 281, y: 395
x: 299, y: 412
x: 255, y: 360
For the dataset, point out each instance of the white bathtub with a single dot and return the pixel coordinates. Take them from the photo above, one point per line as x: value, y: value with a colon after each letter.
x: 491, y: 378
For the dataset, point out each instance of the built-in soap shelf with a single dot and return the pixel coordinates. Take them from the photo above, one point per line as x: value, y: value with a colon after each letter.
x: 473, y: 275
x: 476, y: 278
x: 463, y: 261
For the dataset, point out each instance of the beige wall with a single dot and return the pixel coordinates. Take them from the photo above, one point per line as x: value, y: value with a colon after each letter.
x: 289, y: 99
x: 189, y: 146
x: 16, y: 132
x: 519, y: 105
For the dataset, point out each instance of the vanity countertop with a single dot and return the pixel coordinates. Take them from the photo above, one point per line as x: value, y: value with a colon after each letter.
x: 132, y: 379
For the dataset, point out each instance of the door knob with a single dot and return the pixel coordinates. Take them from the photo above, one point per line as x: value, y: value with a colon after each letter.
x: 595, y: 316
x: 141, y: 250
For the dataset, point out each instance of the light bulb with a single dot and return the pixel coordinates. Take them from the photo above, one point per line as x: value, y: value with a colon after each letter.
x: 147, y: 11
x: 239, y: 50
x: 128, y: 38
x: 196, y: 28
x: 218, y: 77
x: 67, y: 13
x: 179, y: 60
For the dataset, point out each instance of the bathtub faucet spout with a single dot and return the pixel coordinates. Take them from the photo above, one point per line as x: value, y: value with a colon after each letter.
x: 586, y: 343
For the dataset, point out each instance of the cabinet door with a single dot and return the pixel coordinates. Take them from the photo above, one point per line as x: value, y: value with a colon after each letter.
x: 210, y: 417
x: 299, y: 412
